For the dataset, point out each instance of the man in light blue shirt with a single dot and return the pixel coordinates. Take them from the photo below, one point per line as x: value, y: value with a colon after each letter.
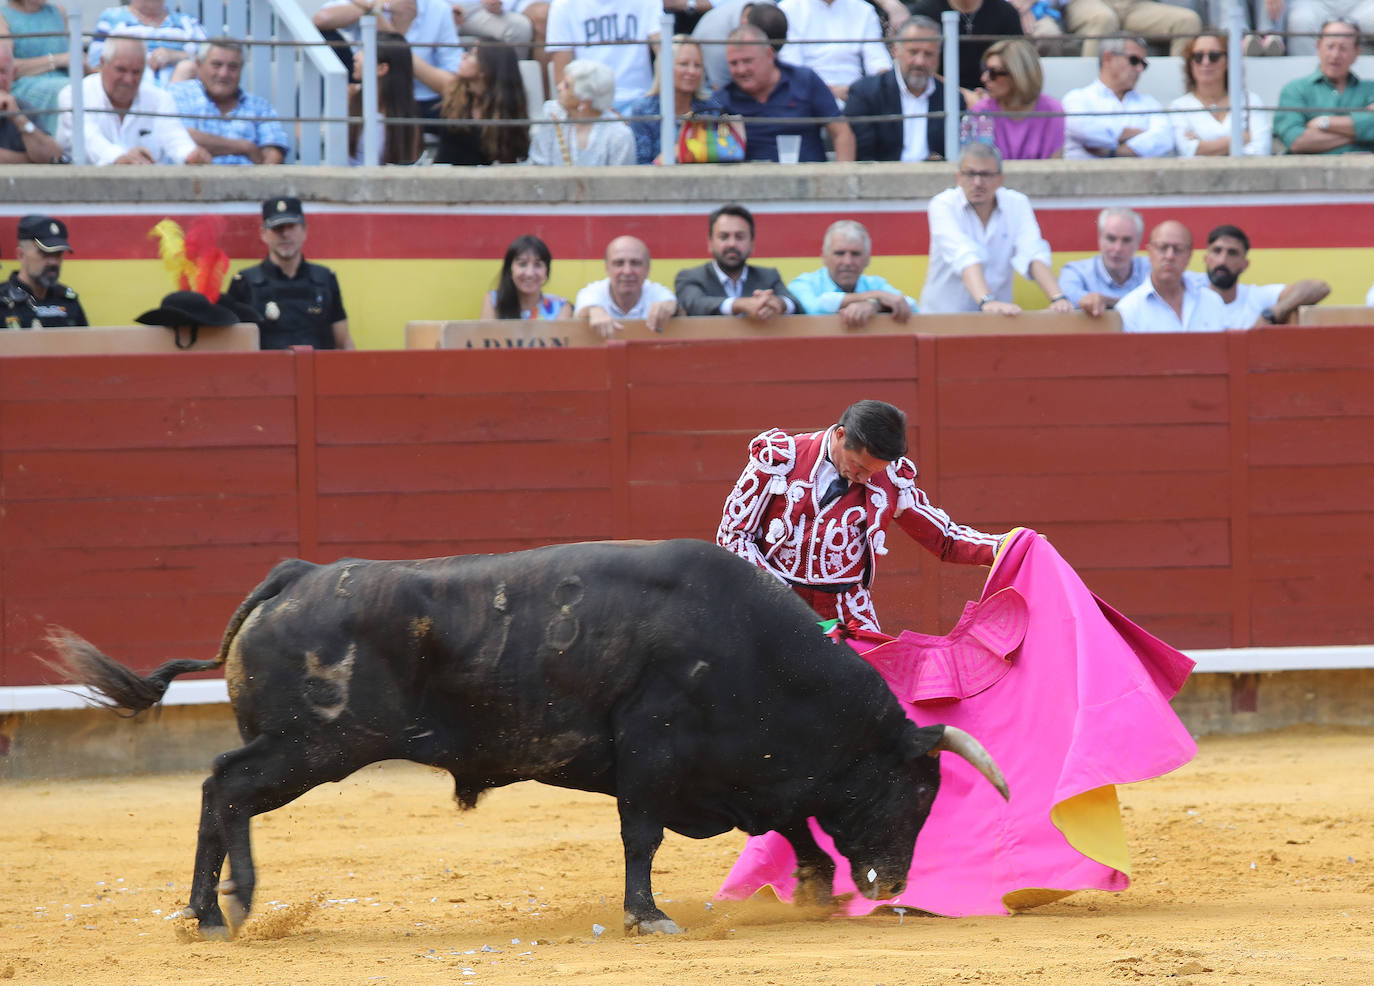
x: 234, y: 126
x: 842, y: 287
x: 1098, y: 283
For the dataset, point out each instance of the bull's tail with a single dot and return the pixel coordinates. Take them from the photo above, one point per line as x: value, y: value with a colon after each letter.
x: 129, y: 693
x: 114, y: 685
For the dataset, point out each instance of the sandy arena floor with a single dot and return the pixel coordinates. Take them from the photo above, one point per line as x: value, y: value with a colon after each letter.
x: 1252, y: 866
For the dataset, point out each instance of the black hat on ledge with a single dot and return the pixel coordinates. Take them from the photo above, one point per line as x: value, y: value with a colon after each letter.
x: 193, y: 309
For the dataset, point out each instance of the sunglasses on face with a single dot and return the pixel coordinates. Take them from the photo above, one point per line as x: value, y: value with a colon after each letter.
x: 1136, y: 61
x: 994, y: 73
x: 1207, y: 56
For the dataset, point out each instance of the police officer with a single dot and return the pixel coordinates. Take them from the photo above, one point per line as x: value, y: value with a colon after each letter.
x: 33, y: 298
x: 299, y: 302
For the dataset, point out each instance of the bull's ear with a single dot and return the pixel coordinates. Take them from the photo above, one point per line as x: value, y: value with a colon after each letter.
x: 921, y: 741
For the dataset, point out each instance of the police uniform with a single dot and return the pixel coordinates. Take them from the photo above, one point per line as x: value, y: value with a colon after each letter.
x: 19, y: 309
x: 296, y: 311
x: 59, y: 308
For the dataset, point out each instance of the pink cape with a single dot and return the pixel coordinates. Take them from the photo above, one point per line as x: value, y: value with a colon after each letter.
x: 1080, y: 706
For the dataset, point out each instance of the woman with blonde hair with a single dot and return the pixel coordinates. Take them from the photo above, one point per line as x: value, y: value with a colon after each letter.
x: 1203, y: 124
x: 1026, y: 123
x: 691, y: 96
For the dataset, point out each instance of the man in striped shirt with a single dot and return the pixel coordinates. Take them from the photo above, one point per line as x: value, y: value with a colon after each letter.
x: 235, y: 126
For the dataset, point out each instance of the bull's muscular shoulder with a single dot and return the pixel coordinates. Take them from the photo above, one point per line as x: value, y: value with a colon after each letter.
x: 773, y: 451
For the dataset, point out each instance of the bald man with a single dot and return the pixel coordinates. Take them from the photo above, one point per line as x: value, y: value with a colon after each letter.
x: 1169, y: 302
x: 625, y: 292
x: 141, y: 124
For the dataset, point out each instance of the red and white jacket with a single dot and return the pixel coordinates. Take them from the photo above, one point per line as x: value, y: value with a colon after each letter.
x: 773, y: 519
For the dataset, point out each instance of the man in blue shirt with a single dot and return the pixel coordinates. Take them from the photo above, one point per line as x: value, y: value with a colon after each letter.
x: 1098, y: 283
x: 236, y: 127
x: 763, y: 87
x: 842, y: 287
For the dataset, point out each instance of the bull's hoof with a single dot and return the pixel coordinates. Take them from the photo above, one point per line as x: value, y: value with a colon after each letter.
x: 214, y: 932
x: 662, y: 925
x: 814, y: 889
x: 234, y: 911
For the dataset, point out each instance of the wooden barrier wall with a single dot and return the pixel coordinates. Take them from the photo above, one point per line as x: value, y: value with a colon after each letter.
x: 1214, y: 487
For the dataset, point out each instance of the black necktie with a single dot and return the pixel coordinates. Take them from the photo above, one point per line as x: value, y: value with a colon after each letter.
x: 834, y: 491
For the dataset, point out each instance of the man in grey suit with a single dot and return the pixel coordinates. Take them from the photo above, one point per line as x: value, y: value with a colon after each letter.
x: 729, y: 285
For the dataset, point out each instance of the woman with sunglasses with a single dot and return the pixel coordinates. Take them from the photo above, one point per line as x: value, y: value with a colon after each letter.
x: 1202, y: 115
x: 1026, y: 123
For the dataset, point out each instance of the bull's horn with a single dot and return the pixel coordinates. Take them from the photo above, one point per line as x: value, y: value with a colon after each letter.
x: 957, y: 741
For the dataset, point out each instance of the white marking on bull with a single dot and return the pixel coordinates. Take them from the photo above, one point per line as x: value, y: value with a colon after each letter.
x: 341, y: 589
x: 335, y: 678
x: 698, y: 669
x: 495, y: 643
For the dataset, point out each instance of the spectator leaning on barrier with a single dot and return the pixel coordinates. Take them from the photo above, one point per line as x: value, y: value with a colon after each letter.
x: 22, y: 141
x: 494, y: 20
x: 33, y: 297
x: 729, y: 284
x: 428, y: 29
x: 1096, y: 18
x: 1316, y: 130
x: 625, y: 292
x: 835, y: 54
x: 588, y: 30
x: 1202, y: 117
x: 909, y: 90
x: 980, y: 234
x: 170, y: 37
x: 761, y: 87
x: 1098, y: 283
x: 583, y: 129
x: 127, y: 121
x: 39, y: 33
x: 1110, y: 117
x: 842, y: 287
x: 1169, y: 302
x: 300, y: 302
x: 995, y: 18
x: 519, y: 291
x: 234, y: 126
x: 1250, y: 305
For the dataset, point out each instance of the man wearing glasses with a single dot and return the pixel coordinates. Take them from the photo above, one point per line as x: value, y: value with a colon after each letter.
x: 1169, y: 302
x: 1318, y: 129
x: 980, y: 233
x: 1110, y: 117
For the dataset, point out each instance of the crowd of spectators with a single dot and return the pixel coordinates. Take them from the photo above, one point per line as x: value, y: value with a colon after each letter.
x: 817, y: 70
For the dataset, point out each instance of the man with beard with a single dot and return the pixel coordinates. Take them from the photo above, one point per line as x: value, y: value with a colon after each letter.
x: 729, y: 285
x: 625, y: 292
x: 300, y: 302
x: 33, y: 297
x: 842, y: 287
x: 909, y: 90
x: 1169, y: 302
x: 1250, y: 305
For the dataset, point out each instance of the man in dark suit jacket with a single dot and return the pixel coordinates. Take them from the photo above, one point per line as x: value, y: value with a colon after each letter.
x: 728, y: 285
x: 916, y: 56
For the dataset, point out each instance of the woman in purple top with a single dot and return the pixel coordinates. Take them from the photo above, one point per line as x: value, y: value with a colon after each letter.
x: 1012, y: 77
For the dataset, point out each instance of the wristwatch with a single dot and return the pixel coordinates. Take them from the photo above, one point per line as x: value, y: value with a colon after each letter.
x: 690, y: 6
x: 1269, y: 316
x: 29, y: 127
x: 984, y: 300
x: 1323, y: 122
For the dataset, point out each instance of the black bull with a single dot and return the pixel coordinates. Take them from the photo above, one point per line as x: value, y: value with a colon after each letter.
x: 675, y: 677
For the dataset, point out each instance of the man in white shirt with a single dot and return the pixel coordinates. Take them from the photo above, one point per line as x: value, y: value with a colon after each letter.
x: 428, y: 28
x: 1131, y: 123
x: 1098, y: 283
x: 594, y: 27
x: 1250, y: 305
x: 1169, y: 302
x: 626, y: 291
x: 839, y: 59
x: 127, y: 122
x: 980, y: 233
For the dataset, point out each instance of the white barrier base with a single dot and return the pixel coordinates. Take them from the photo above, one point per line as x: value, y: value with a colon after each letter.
x: 1240, y: 660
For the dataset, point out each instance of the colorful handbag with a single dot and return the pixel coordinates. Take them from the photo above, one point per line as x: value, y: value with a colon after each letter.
x: 710, y: 140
